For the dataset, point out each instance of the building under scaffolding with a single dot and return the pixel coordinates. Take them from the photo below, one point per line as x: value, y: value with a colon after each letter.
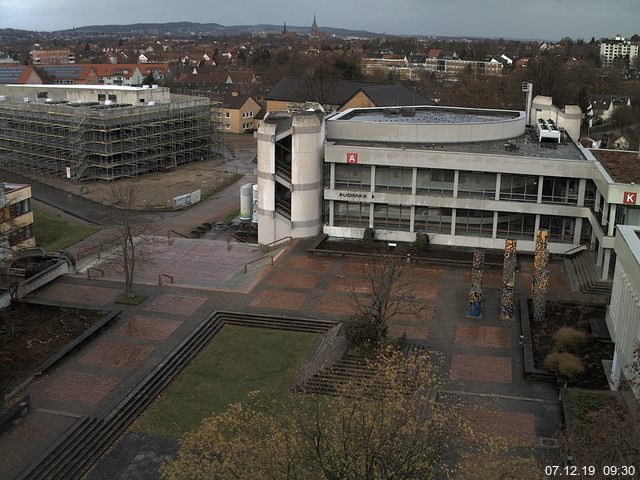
x: 89, y: 132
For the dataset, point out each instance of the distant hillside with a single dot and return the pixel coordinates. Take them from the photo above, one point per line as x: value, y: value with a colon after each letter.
x: 193, y: 28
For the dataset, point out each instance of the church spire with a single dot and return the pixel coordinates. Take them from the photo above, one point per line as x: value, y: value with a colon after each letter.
x: 284, y: 30
x: 314, y: 26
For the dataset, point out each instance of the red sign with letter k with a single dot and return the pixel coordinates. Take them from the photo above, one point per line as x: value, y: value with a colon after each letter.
x: 630, y: 198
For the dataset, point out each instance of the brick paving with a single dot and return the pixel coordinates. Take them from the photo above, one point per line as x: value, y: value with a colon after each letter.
x: 481, y: 336
x: 314, y: 264
x: 339, y: 305
x: 484, y: 368
x: 175, y: 304
x: 279, y: 299
x: 516, y: 429
x: 110, y: 354
x: 80, y: 387
x: 149, y: 328
x: 295, y: 280
x: 412, y: 333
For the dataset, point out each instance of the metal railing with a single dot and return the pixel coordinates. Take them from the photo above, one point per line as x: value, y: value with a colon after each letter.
x: 257, y: 260
x: 275, y: 242
x: 575, y: 249
x: 94, y: 269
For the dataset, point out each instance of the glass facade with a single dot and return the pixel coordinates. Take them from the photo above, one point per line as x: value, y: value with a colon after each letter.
x: 476, y: 184
x: 474, y: 223
x: 560, y: 228
x: 391, y: 217
x: 433, y: 219
x: 353, y: 177
x: 435, y: 181
x: 560, y: 190
x: 394, y: 179
x: 517, y: 226
x: 520, y: 188
x: 350, y: 214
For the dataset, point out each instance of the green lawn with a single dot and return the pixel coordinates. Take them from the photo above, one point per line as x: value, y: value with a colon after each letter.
x: 54, y: 234
x: 239, y: 360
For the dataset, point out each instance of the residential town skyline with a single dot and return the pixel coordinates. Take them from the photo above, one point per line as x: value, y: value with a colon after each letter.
x: 548, y: 19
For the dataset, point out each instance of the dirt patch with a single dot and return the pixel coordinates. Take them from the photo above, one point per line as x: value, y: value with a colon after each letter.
x: 592, y: 352
x: 154, y: 191
x: 30, y: 334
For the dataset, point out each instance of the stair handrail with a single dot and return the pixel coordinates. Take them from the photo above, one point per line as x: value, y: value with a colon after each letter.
x: 575, y: 249
x: 273, y: 244
x: 256, y: 260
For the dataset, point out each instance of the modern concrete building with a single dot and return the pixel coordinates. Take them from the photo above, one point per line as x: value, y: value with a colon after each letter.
x: 290, y: 175
x: 618, y: 48
x: 623, y: 314
x: 466, y: 177
x: 16, y: 218
x: 100, y: 132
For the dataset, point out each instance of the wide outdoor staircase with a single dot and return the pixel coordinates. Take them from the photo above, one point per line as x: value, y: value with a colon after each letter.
x: 588, y: 280
x: 90, y: 437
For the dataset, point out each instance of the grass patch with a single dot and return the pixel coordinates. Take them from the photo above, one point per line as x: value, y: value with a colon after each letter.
x: 229, y: 218
x: 583, y: 402
x: 239, y: 360
x: 54, y: 234
x: 137, y: 299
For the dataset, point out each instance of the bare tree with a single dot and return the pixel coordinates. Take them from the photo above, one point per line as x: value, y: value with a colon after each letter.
x: 124, y: 198
x: 388, y: 294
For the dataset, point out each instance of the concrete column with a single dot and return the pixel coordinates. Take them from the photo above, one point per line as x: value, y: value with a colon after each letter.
x: 371, y: 209
x: 414, y: 183
x: 373, y: 179
x: 498, y: 180
x: 453, y: 220
x: 592, y: 241
x: 612, y: 219
x: 582, y: 188
x: 494, y: 231
x: 599, y: 256
x: 605, y: 264
x: 332, y: 181
x: 413, y: 217
x: 605, y: 214
x: 540, y: 184
x: 577, y: 230
x: 331, y: 212
x: 536, y: 225
x: 596, y: 205
x: 456, y: 176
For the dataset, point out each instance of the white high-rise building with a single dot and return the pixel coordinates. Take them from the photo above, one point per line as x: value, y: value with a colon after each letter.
x: 617, y: 47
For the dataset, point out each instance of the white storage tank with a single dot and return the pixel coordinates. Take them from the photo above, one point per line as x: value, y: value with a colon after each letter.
x: 246, y: 200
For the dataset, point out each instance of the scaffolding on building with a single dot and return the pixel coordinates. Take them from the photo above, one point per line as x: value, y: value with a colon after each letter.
x: 88, y: 142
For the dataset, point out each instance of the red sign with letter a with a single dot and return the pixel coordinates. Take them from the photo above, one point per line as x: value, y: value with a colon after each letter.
x: 630, y: 198
x: 352, y: 157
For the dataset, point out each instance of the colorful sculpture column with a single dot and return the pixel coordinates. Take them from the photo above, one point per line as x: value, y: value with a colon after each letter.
x: 475, y: 292
x: 540, y: 281
x: 508, y: 279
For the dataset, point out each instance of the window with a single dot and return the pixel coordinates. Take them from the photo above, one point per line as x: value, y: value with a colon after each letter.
x: 516, y: 226
x: 435, y: 181
x: 19, y: 235
x: 102, y: 97
x: 435, y: 220
x: 43, y: 95
x: 20, y: 208
x: 113, y: 98
x: 394, y: 179
x: 476, y: 184
x: 521, y: 188
x: 560, y: 190
x: 353, y: 177
x: 590, y: 194
x: 560, y: 228
x: 475, y: 223
x: 226, y: 114
x: 392, y: 217
x: 351, y: 214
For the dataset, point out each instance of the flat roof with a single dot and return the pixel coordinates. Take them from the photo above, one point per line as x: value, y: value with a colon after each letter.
x: 622, y: 165
x: 526, y: 145
x: 83, y: 87
x: 423, y: 114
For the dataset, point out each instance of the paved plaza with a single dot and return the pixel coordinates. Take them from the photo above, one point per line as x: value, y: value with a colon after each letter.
x: 481, y: 355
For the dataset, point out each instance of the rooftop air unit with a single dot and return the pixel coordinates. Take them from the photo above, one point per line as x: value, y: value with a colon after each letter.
x: 548, y: 131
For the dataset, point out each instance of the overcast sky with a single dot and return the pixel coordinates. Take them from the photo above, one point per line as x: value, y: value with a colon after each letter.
x: 545, y: 19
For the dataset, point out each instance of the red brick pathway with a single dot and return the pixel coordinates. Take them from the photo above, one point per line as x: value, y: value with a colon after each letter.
x: 484, y: 368
x: 149, y: 328
x: 480, y: 336
x: 79, y: 387
x: 110, y: 354
x: 176, y: 304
